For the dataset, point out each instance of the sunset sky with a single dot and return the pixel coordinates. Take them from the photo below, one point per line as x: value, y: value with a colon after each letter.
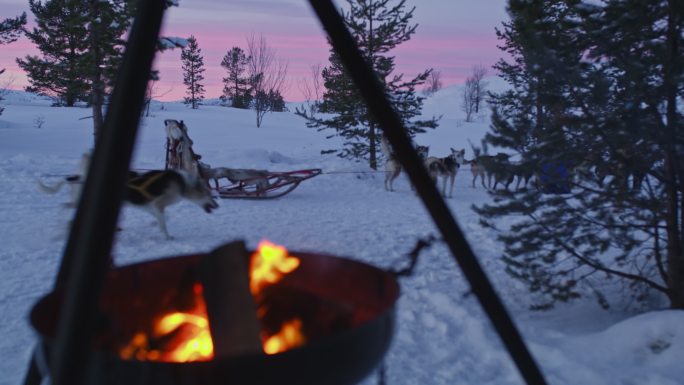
x: 452, y: 37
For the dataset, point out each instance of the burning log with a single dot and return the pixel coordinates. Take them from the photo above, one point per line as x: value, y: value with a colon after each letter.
x: 230, y: 306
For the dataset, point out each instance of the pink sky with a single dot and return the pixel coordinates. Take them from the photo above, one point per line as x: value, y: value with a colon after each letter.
x: 452, y: 37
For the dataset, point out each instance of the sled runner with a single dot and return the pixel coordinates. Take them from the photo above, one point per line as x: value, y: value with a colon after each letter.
x: 267, y: 185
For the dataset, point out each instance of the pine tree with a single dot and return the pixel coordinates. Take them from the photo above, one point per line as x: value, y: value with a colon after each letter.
x: 108, y: 21
x: 592, y: 91
x: 236, y: 84
x: 10, y: 30
x: 81, y: 46
x: 60, y: 36
x: 378, y: 26
x: 193, y: 67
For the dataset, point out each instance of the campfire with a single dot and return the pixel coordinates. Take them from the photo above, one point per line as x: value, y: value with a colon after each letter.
x: 319, y: 319
x: 184, y: 336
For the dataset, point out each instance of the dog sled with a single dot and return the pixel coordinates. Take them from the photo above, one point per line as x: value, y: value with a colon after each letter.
x: 232, y: 183
x: 263, y: 185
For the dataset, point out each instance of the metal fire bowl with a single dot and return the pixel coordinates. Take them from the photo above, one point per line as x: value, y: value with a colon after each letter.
x: 346, y: 346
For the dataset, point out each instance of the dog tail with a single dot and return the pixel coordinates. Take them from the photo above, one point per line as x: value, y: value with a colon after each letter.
x: 50, y: 189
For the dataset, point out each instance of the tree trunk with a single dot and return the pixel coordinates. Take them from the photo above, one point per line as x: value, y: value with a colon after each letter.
x: 373, y: 147
x: 674, y: 178
x: 97, y: 91
x: 371, y: 125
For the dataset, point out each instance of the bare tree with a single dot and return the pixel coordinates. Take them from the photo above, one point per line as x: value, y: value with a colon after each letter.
x: 267, y: 74
x: 152, y: 92
x: 312, y: 89
x: 474, y: 92
x: 469, y: 98
x: 479, y: 72
x: 433, y: 83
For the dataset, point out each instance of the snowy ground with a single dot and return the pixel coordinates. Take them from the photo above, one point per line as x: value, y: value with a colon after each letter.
x: 443, y: 337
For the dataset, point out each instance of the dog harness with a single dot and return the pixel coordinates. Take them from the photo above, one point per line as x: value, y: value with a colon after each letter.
x: 142, y: 188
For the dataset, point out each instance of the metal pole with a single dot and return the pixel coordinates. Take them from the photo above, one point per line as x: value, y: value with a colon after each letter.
x: 87, y: 254
x: 376, y: 100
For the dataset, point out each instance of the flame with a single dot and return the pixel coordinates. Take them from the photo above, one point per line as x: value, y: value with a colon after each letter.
x: 269, y: 264
x: 289, y: 336
x: 188, y: 335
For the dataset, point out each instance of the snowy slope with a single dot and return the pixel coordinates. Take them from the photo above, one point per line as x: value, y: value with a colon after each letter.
x: 443, y: 337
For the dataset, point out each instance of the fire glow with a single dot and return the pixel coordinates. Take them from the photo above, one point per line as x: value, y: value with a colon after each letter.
x: 185, y: 336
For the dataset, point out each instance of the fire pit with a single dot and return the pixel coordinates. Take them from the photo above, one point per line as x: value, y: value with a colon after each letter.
x: 327, y: 320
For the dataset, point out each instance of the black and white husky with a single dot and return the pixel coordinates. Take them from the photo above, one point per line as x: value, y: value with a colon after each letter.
x: 447, y: 168
x: 158, y: 189
x: 392, y: 165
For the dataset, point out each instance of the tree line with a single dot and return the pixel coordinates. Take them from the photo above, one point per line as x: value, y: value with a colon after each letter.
x: 255, y: 77
x: 81, y: 45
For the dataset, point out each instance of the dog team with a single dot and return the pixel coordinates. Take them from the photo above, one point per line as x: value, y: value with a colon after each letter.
x: 490, y: 168
x: 189, y: 179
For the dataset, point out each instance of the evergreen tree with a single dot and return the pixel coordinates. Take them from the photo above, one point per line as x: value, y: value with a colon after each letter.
x: 193, y: 67
x: 10, y: 30
x: 593, y: 89
x: 108, y: 21
x: 270, y: 101
x: 378, y: 26
x: 81, y: 46
x: 60, y: 36
x: 236, y: 84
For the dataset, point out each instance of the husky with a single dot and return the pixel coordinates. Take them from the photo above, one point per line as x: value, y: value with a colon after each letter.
x: 392, y: 165
x: 181, y: 156
x: 74, y: 182
x: 239, y: 176
x: 501, y: 170
x: 155, y: 190
x: 477, y: 168
x: 447, y: 168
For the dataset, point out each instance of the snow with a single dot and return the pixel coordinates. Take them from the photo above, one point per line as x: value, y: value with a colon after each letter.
x: 171, y: 42
x: 442, y: 336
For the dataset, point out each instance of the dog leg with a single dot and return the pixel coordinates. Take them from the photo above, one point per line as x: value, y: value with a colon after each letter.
x: 161, y: 220
x: 390, y: 176
x: 451, y: 187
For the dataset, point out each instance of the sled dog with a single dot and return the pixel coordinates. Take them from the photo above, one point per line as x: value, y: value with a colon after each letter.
x: 181, y: 155
x: 392, y: 165
x: 155, y: 190
x: 447, y: 168
x: 239, y: 176
x: 499, y: 168
x: 74, y: 182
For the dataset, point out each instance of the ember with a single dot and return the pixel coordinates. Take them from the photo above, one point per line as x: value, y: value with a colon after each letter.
x: 184, y: 336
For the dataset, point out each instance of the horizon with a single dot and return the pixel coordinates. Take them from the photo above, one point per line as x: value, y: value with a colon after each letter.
x: 450, y: 38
